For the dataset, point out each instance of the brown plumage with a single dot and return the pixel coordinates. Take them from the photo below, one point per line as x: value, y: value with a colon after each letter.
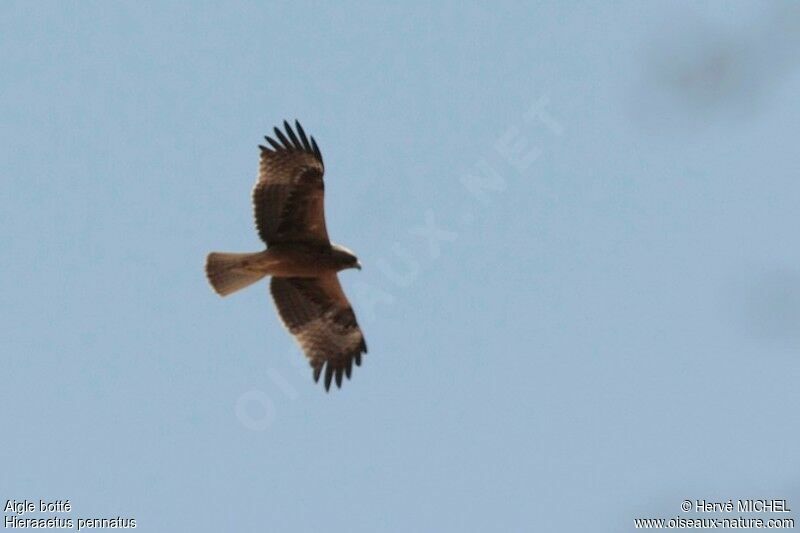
x: 288, y: 200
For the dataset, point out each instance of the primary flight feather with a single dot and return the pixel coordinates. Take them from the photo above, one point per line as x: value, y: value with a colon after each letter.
x: 288, y: 200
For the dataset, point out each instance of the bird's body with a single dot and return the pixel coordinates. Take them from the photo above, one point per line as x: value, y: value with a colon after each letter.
x: 285, y: 260
x: 288, y: 201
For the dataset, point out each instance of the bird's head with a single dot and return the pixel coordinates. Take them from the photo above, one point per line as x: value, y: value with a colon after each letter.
x: 345, y: 258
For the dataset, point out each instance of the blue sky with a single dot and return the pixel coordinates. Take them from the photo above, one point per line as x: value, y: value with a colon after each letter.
x: 578, y: 225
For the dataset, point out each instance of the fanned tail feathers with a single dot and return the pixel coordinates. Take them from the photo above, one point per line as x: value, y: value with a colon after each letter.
x: 227, y: 274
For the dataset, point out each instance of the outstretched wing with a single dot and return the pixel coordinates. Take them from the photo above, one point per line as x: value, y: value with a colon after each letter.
x: 289, y: 195
x: 317, y: 313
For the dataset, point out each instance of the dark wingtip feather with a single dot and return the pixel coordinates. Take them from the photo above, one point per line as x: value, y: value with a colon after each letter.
x: 328, y: 376
x: 274, y: 144
x: 281, y: 137
x: 302, y: 135
x: 349, y: 368
x: 316, y: 149
x: 358, y: 359
x: 339, y: 372
x: 317, y: 372
x: 292, y: 136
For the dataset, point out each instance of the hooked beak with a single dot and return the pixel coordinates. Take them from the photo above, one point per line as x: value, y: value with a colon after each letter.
x: 358, y: 265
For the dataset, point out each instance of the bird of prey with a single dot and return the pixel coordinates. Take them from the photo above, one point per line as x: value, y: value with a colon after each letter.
x: 290, y: 218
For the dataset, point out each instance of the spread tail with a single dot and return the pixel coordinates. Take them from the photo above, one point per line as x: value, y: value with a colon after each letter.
x: 227, y: 273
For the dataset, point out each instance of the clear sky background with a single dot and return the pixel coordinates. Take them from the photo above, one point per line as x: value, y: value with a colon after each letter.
x: 579, y: 230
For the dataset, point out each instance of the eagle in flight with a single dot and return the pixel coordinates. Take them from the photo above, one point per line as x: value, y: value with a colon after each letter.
x: 290, y: 218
